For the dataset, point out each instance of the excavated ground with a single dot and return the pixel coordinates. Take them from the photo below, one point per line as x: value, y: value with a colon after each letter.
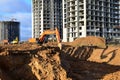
x: 46, y: 62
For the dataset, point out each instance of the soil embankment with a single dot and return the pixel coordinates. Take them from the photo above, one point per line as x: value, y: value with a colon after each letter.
x: 35, y: 62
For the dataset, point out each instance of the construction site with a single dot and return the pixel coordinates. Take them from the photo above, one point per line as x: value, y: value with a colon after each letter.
x: 79, y: 50
x: 87, y: 58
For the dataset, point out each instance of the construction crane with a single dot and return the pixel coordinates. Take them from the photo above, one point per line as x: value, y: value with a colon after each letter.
x: 4, y: 18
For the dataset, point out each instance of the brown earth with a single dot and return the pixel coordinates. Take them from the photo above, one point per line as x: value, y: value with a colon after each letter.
x: 47, y: 62
x: 89, y: 41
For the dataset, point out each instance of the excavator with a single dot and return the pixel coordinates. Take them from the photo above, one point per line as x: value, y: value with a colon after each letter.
x: 15, y: 41
x: 44, y: 34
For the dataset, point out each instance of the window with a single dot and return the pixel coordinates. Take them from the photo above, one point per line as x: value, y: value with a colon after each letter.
x: 80, y: 28
x: 72, y: 34
x: 68, y: 35
x: 80, y: 33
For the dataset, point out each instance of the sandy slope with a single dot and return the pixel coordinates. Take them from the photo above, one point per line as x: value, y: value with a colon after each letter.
x: 47, y: 62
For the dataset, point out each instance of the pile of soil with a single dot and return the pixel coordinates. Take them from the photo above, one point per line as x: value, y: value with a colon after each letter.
x: 47, y: 62
x: 90, y: 41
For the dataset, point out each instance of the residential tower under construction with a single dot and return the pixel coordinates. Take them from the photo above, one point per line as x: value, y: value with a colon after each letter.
x: 47, y: 14
x: 83, y: 18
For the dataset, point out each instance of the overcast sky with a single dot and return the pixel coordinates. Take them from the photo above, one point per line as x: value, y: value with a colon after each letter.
x: 21, y: 10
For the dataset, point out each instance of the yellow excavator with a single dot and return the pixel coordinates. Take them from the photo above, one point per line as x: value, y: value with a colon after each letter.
x: 15, y: 41
x: 43, y: 35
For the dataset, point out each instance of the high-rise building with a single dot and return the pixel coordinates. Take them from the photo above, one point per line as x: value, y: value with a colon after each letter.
x: 47, y: 14
x: 83, y: 18
x: 9, y: 30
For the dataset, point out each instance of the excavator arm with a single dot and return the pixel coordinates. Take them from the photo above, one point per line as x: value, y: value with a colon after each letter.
x: 58, y: 38
x: 58, y: 35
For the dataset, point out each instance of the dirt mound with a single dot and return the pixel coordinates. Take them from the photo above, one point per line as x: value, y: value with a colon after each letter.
x: 30, y: 62
x: 90, y: 41
x: 48, y: 62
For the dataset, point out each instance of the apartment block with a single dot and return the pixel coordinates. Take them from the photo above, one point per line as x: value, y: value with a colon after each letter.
x: 9, y: 30
x: 83, y: 18
x: 47, y: 14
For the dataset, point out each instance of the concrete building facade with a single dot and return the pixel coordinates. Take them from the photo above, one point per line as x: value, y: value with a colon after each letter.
x: 9, y: 30
x: 47, y: 14
x: 83, y: 18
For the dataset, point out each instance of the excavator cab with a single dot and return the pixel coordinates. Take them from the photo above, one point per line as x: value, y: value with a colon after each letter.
x: 46, y: 39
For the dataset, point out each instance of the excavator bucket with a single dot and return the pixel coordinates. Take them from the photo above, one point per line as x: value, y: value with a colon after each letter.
x: 60, y: 46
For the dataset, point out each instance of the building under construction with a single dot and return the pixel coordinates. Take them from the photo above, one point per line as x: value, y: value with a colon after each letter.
x: 91, y: 18
x: 9, y: 30
x: 47, y: 14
